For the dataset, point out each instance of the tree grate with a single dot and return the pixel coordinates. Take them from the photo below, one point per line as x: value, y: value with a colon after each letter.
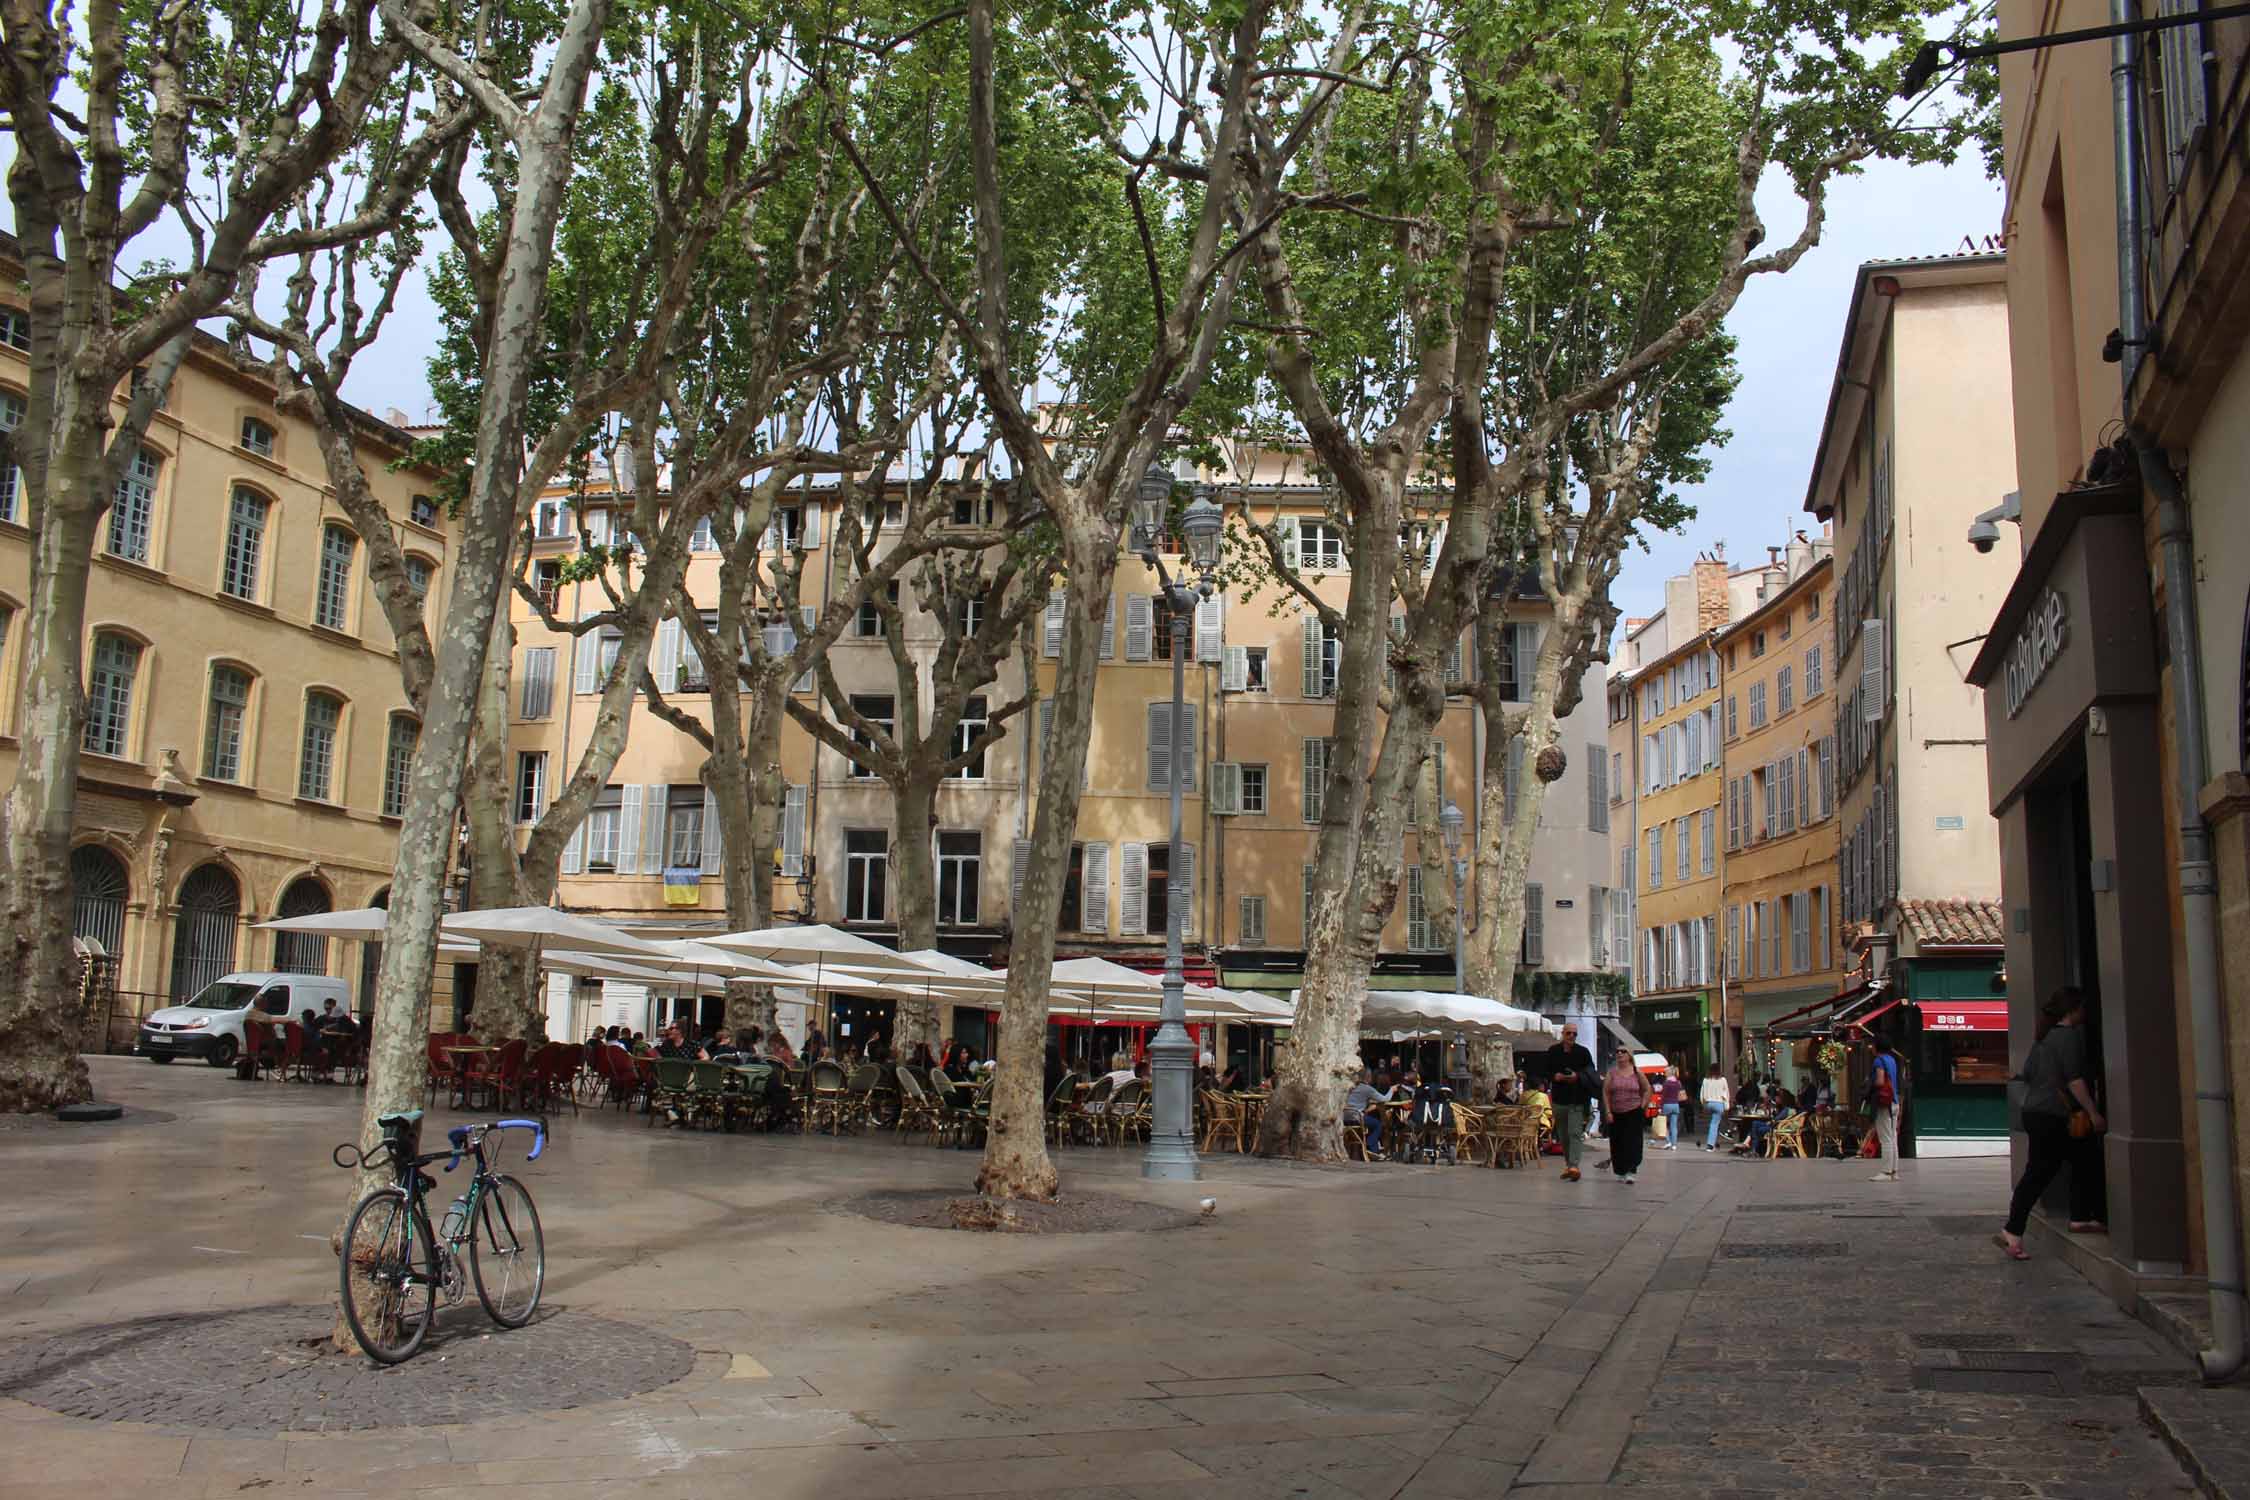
x: 1791, y: 1208
x: 1989, y: 1382
x: 1787, y: 1250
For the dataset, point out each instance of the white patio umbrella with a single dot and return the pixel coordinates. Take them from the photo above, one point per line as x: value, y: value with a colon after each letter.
x: 367, y: 923
x: 819, y: 945
x: 535, y: 927
x: 1444, y: 1010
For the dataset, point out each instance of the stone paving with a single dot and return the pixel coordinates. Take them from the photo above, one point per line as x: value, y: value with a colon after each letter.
x: 1388, y: 1333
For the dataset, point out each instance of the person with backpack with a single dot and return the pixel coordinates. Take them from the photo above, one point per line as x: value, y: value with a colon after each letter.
x: 1625, y: 1094
x: 1885, y: 1088
x: 2061, y: 1121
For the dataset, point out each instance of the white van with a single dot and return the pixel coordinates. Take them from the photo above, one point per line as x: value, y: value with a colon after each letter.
x: 210, y: 1025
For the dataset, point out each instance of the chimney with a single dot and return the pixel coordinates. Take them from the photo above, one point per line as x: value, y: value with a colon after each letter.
x: 1711, y: 607
x: 1800, y: 556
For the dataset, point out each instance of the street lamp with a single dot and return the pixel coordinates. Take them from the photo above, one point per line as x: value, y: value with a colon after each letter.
x: 1450, y: 823
x: 1171, y: 1054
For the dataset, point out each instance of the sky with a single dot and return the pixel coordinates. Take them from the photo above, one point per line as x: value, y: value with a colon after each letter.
x: 1788, y: 329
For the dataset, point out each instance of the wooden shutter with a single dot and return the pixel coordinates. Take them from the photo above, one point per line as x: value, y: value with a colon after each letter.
x: 1313, y: 643
x: 1052, y: 623
x: 1534, y: 923
x: 653, y: 830
x: 666, y: 668
x: 1093, y: 889
x: 1188, y: 756
x: 1140, y: 626
x: 1160, y: 747
x: 1305, y: 939
x: 1872, y: 642
x: 793, y: 802
x: 710, y: 832
x: 1234, y: 670
x: 1597, y: 927
x: 1133, y: 897
x: 629, y: 831
x: 1453, y: 673
x: 1107, y: 647
x: 1210, y: 628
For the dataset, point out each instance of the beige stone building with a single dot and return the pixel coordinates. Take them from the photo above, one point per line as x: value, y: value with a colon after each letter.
x: 247, y: 739
x: 1914, y: 446
x: 2092, y: 655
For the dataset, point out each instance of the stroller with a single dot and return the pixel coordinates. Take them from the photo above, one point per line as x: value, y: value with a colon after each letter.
x: 1431, y: 1125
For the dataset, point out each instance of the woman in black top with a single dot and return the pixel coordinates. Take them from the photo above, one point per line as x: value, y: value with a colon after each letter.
x: 2058, y: 1078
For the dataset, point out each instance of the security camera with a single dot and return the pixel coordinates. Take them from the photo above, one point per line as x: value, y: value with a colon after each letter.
x: 1984, y: 536
x: 1984, y: 531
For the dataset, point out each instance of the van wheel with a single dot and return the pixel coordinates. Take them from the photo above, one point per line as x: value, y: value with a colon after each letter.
x: 160, y: 1057
x: 222, y: 1055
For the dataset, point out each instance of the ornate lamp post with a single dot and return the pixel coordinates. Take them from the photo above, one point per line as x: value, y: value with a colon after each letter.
x: 1171, y: 1138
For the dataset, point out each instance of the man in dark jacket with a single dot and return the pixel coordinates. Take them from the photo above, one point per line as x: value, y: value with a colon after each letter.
x: 1570, y: 1086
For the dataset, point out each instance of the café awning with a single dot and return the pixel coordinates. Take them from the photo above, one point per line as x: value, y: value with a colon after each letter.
x: 1964, y: 1015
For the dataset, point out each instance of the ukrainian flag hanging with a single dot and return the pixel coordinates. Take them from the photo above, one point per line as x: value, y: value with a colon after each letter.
x: 683, y: 885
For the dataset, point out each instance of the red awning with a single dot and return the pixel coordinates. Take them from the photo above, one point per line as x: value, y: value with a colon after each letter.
x: 1964, y: 1015
x: 1867, y: 1018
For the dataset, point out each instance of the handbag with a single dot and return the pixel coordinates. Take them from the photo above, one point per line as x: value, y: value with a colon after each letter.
x: 2081, y: 1123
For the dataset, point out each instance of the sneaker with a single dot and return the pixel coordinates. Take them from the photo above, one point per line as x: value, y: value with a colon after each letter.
x: 1884, y: 1177
x: 1628, y: 1177
x: 1570, y: 1174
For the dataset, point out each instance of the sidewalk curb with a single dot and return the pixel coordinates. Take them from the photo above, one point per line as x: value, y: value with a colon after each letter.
x: 2207, y: 1431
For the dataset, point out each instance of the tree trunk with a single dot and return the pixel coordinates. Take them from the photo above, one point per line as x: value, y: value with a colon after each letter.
x: 1016, y: 1164
x: 509, y: 1006
x: 1501, y: 862
x: 914, y: 885
x: 40, y: 1017
x: 397, y: 1052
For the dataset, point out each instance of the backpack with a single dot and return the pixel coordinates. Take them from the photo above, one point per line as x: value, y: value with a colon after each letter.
x: 1880, y: 1091
x: 1433, y: 1106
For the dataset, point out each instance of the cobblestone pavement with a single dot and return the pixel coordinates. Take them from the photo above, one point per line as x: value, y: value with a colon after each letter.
x: 1721, y: 1328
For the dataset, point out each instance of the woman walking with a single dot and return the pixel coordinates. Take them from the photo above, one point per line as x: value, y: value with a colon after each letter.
x: 1625, y: 1094
x: 1718, y: 1096
x: 2061, y: 1121
x: 1670, y: 1102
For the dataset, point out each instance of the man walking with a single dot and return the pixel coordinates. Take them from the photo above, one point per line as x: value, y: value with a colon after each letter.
x: 1570, y: 1085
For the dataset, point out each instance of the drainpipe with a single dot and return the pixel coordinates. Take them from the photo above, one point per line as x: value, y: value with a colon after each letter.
x: 2214, y: 1093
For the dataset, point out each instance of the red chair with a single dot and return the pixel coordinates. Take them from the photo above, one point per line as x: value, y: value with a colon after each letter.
x: 499, y: 1076
x: 259, y: 1046
x: 293, y: 1050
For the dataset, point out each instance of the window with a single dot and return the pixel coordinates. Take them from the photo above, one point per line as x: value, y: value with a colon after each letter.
x: 868, y: 624
x: 246, y: 540
x: 683, y: 829
x: 316, y: 758
x: 1812, y: 607
x: 1422, y: 934
x: 1757, y: 644
x: 1656, y: 858
x: 1617, y: 776
x: 132, y: 517
x: 222, y: 737
x: 335, y: 584
x: 608, y: 644
x: 1757, y: 704
x: 546, y: 578
x: 1534, y: 950
x: 418, y: 576
x: 1785, y: 689
x: 1253, y: 789
x: 1161, y: 748
x: 1250, y: 930
x: 1156, y: 908
x: 1786, y: 622
x: 973, y: 723
x: 867, y: 860
x: 877, y: 709
x: 140, y: 384
x: 1321, y: 545
x: 1160, y: 632
x: 1710, y: 860
x: 422, y: 510
x: 531, y: 785
x: 1316, y: 778
x: 1812, y: 672
x: 1683, y: 844
x: 551, y: 519
x: 398, y: 764
x: 538, y: 681
x: 603, y: 823
x: 1073, y: 913
x: 960, y: 861
x: 1253, y: 669
x: 257, y: 437
x: 705, y: 538
x: 12, y: 410
x: 968, y: 615
x: 974, y: 507
x: 15, y: 328
x: 1734, y: 719
x: 787, y: 530
x: 1518, y: 653
x: 109, y: 694
x: 1324, y: 653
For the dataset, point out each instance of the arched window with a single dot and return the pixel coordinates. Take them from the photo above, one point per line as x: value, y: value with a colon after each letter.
x: 132, y: 518
x: 109, y: 694
x: 98, y: 889
x: 418, y: 575
x: 203, y: 937
x: 337, y: 545
x: 398, y: 764
x: 258, y: 437
x: 302, y: 952
x: 316, y: 760
x: 246, y: 543
x: 225, y: 723
x: 11, y: 476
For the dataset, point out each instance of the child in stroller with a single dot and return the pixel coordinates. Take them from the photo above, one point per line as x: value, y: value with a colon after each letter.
x: 1430, y: 1124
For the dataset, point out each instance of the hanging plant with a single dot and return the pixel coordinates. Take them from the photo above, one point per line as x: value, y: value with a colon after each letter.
x: 1832, y: 1058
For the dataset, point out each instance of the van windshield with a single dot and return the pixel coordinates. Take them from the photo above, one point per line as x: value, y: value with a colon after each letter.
x: 224, y: 994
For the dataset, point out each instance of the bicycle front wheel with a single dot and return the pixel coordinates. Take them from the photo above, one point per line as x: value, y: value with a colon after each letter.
x: 390, y: 1276
x: 507, y: 1253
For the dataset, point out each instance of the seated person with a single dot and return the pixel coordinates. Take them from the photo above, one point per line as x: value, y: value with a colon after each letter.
x: 674, y: 1044
x: 777, y: 1048
x: 1120, y: 1071
x: 1536, y: 1097
x: 721, y: 1048
x: 1359, y: 1105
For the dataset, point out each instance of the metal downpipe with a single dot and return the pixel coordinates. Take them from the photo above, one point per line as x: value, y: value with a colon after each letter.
x: 2214, y: 1091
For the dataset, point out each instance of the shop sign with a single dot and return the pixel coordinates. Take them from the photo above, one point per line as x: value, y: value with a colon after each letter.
x: 1661, y: 1017
x: 2045, y: 632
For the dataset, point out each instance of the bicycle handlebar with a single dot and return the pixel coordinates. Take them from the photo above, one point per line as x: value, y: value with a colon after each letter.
x: 464, y: 1137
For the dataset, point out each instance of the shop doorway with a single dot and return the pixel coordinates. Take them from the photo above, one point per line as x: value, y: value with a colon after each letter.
x: 2062, y: 861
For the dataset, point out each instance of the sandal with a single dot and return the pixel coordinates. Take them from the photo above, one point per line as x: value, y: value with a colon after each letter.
x: 2014, y: 1251
x: 2088, y: 1226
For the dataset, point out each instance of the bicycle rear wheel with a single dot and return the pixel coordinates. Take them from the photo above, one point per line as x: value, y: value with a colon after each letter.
x: 508, y: 1254
x: 390, y: 1276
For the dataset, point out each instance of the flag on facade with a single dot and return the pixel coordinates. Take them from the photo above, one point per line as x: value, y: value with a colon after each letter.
x: 683, y: 885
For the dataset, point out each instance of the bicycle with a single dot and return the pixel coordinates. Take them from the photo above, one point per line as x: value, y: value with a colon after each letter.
x: 394, y: 1266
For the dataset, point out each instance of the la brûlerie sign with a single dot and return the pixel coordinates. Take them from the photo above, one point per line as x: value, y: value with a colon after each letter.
x: 2037, y: 645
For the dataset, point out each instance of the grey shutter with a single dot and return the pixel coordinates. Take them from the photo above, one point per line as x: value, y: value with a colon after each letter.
x: 1453, y: 675
x: 574, y: 850
x: 1140, y: 627
x: 1534, y: 923
x: 2179, y: 55
x: 1316, y: 778
x: 629, y: 831
x: 1597, y: 927
x: 1210, y: 628
x: 1015, y: 877
x: 1871, y: 672
x: 806, y: 682
x: 666, y: 668
x: 586, y: 659
x: 653, y: 829
x: 1314, y: 642
x: 1226, y: 788
x: 538, y: 682
x: 1108, y: 646
x: 1188, y: 756
x: 1159, y: 747
x: 808, y: 534
x: 1093, y: 889
x: 1052, y: 624
x: 1597, y: 790
x: 1511, y: 780
x: 1252, y: 932
x: 793, y: 801
x: 1417, y: 912
x: 1183, y: 881
x: 1292, y: 553
x: 710, y: 832
x: 1526, y: 657
x: 1234, y: 670
x: 1804, y: 787
x: 1133, y: 899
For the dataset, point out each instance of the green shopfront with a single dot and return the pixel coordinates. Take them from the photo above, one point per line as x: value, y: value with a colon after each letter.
x: 1956, y: 1045
x: 1679, y: 1026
